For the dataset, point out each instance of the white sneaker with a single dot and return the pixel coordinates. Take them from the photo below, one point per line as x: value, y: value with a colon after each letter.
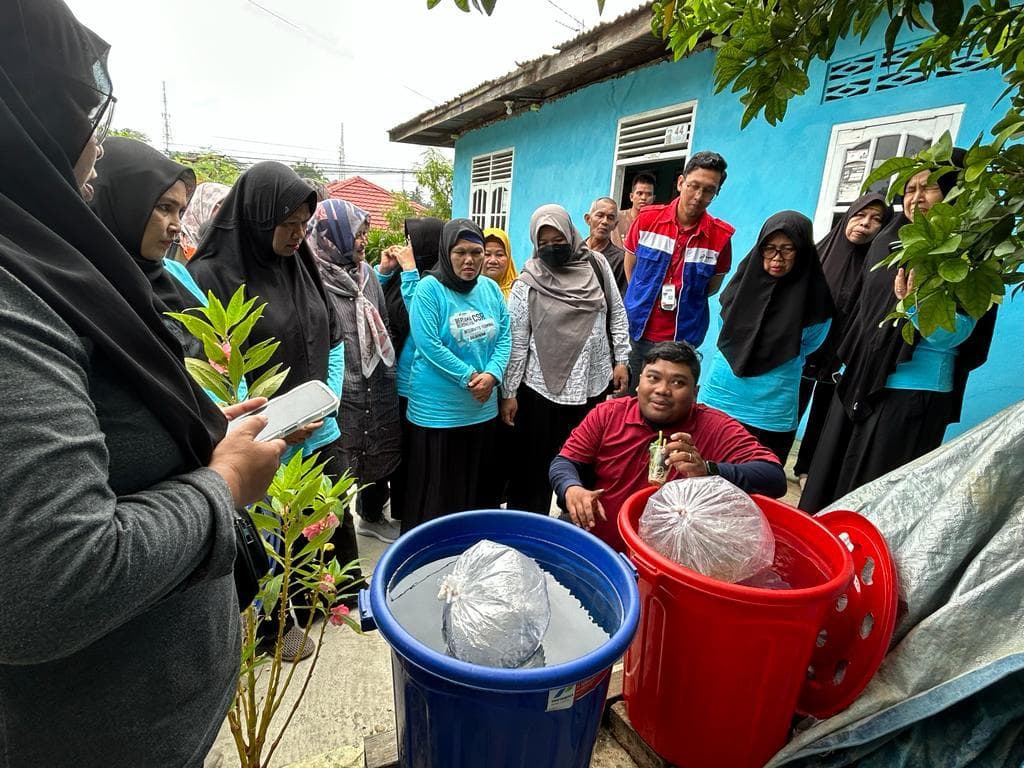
x: 386, y: 530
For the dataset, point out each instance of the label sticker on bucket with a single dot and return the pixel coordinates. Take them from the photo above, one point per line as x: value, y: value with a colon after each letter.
x: 561, y: 698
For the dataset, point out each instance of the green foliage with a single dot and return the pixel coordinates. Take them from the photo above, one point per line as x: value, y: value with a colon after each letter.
x: 296, y: 525
x: 435, y: 174
x: 210, y: 166
x: 223, y: 332
x: 310, y: 172
x: 400, y: 210
x: 379, y: 239
x: 304, y: 507
x: 130, y: 133
x: 965, y: 251
x: 486, y: 6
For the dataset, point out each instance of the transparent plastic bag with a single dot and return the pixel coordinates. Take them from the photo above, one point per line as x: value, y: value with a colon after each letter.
x: 496, y: 606
x: 710, y: 526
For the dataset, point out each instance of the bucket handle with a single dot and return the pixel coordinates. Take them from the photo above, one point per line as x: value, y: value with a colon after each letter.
x: 630, y: 566
x: 366, y: 621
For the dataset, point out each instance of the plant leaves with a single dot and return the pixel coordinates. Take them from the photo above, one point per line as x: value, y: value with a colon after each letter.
x: 268, y: 384
x: 947, y: 14
x: 205, y: 376
x: 954, y: 270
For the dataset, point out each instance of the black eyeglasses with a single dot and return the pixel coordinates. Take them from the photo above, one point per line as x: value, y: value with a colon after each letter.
x: 783, y: 253
x: 101, y: 117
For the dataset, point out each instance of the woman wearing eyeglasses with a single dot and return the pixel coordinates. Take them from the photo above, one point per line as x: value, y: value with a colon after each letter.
x: 119, y: 632
x: 460, y: 326
x: 776, y: 311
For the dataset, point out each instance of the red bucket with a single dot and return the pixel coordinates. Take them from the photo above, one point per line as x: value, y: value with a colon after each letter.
x: 715, y: 672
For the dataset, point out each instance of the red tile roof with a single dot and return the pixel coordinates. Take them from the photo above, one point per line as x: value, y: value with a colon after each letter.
x: 368, y: 196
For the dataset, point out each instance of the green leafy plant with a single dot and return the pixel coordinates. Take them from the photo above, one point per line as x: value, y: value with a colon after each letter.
x: 210, y: 165
x: 435, y: 174
x: 224, y: 332
x: 379, y: 239
x: 296, y: 521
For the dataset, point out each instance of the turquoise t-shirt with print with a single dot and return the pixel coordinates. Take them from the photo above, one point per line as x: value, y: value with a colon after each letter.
x: 456, y: 335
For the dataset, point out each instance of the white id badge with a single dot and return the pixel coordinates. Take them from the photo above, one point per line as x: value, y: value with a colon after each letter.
x: 668, y: 297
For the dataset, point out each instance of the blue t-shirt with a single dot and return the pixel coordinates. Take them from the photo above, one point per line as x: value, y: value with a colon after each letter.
x: 768, y: 401
x: 931, y: 367
x: 456, y: 335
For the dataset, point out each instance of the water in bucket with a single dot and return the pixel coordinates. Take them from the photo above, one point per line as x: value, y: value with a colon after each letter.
x: 578, y: 614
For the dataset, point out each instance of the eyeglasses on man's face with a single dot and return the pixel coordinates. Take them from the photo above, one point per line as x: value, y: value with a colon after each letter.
x: 707, y: 193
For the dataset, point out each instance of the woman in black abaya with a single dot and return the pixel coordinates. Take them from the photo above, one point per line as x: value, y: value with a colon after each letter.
x: 258, y: 238
x: 120, y: 625
x: 894, y: 400
x: 842, y: 253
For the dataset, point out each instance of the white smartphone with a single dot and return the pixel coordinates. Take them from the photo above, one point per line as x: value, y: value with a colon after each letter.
x: 303, y: 405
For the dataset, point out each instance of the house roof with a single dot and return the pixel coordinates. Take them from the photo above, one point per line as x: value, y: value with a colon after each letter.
x: 371, y: 198
x: 608, y: 50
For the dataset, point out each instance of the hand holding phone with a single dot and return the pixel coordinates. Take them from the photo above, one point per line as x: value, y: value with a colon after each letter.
x: 287, y: 413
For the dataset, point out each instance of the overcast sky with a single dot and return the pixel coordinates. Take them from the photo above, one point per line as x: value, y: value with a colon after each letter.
x: 276, y: 77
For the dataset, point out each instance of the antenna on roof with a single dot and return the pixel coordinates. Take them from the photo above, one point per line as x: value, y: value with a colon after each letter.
x: 167, y: 122
x: 577, y: 24
x: 341, y: 152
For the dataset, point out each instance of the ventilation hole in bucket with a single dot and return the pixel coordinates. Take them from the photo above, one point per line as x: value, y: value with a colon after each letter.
x: 867, y: 573
x: 822, y: 638
x: 856, y: 583
x: 810, y: 672
x: 841, y: 603
x: 841, y: 665
x: 866, y: 625
x: 845, y: 538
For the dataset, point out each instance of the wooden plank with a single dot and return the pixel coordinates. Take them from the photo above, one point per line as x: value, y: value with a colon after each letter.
x: 622, y: 731
x: 381, y: 750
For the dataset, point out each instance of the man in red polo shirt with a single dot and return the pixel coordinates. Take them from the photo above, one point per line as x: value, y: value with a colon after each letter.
x: 610, y: 447
x: 676, y: 257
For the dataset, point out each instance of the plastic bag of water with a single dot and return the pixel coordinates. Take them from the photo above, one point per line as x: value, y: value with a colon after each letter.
x: 496, y: 606
x: 710, y: 526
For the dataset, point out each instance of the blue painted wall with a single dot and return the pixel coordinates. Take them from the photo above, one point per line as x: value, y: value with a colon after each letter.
x: 564, y: 154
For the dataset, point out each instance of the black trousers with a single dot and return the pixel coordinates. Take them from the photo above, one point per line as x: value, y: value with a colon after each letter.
x: 443, y: 471
x: 819, y: 395
x: 904, y: 425
x: 541, y: 430
x: 779, y: 443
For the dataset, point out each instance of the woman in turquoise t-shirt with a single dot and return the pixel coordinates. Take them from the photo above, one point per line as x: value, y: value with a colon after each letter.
x: 460, y: 326
x: 775, y: 312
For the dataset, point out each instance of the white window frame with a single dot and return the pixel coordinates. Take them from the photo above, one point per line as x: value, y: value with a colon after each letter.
x: 845, y: 135
x: 619, y: 167
x: 492, y: 218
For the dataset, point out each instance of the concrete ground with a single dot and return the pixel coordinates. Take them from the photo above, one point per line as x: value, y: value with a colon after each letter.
x: 350, y: 697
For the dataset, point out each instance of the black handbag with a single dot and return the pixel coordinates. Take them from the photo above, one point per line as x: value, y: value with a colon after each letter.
x: 251, y: 561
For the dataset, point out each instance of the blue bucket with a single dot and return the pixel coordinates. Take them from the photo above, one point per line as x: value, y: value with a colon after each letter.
x: 452, y: 714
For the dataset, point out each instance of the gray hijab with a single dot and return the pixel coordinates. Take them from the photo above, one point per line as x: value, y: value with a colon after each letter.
x: 562, y: 300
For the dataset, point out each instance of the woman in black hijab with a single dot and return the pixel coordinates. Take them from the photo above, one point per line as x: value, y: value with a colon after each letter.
x: 894, y: 400
x: 119, y: 491
x: 460, y: 325
x: 258, y: 238
x: 140, y: 195
x: 842, y: 255
x: 776, y: 310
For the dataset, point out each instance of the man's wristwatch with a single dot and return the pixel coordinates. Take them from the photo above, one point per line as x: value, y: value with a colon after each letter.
x: 710, y: 467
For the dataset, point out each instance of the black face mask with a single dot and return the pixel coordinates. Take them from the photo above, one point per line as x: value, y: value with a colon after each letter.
x: 555, y: 255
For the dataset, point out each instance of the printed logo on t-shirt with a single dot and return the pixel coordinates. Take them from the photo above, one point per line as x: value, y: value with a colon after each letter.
x: 471, y: 327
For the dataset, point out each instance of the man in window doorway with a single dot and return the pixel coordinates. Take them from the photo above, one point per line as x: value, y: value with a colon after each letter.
x: 676, y: 257
x: 641, y: 194
x: 602, y: 218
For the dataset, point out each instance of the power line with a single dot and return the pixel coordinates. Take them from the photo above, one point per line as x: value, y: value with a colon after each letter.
x: 557, y: 7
